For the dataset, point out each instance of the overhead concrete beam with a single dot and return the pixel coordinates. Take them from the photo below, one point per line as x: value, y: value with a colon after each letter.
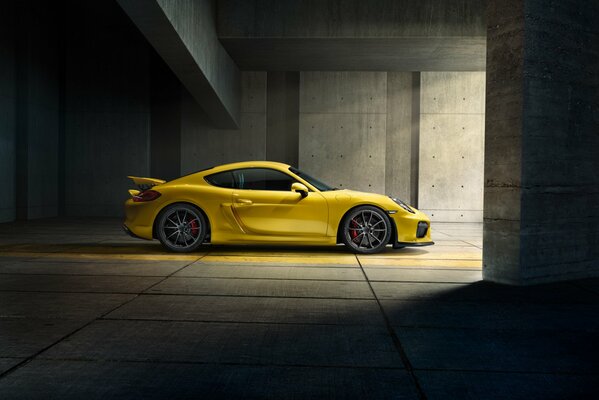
x: 358, y: 54
x: 183, y: 32
x: 351, y: 18
x: 335, y: 35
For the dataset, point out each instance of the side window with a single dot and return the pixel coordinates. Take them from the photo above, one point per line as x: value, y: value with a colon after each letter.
x: 262, y: 179
x: 222, y: 179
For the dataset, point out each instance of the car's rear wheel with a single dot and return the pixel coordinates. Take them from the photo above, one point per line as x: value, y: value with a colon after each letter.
x: 181, y: 228
x: 366, y: 230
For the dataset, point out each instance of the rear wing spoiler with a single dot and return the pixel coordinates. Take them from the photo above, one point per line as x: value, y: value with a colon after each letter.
x: 145, y: 183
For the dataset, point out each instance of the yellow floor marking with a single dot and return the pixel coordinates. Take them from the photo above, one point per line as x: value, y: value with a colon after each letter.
x: 92, y: 256
x: 339, y: 259
x: 414, y: 262
x: 430, y: 256
x: 270, y: 253
x: 115, y: 249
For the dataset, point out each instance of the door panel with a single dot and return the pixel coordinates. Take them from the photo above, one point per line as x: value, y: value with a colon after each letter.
x: 281, y: 213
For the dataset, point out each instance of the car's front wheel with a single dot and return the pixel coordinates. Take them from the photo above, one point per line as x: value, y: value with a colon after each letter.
x: 366, y: 230
x: 181, y: 228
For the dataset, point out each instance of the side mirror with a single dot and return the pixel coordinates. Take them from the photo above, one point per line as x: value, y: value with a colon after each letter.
x: 299, y: 188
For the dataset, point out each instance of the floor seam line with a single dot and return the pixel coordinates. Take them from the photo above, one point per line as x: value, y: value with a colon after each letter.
x: 38, y: 353
x: 395, y: 339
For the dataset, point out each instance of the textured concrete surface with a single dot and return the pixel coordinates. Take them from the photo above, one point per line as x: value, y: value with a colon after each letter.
x: 107, y: 118
x: 38, y: 118
x: 282, y: 117
x: 355, y: 35
x: 7, y: 107
x: 400, y: 131
x: 203, y: 146
x: 29, y: 99
x: 184, y: 34
x: 452, y: 130
x: 97, y: 314
x: 342, y: 126
x: 541, y: 198
x: 350, y: 18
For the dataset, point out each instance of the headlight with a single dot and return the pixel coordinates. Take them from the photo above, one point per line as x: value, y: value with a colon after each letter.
x: 402, y: 205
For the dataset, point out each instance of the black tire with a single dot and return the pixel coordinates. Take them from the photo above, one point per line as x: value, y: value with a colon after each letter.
x: 366, y: 230
x: 181, y: 228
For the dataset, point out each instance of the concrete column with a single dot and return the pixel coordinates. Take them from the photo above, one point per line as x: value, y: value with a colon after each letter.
x: 541, y: 219
x: 7, y: 111
x: 398, y: 155
x: 107, y: 109
x: 282, y: 117
x: 37, y: 110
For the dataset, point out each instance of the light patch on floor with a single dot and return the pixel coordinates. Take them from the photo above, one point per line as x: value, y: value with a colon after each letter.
x: 453, y: 251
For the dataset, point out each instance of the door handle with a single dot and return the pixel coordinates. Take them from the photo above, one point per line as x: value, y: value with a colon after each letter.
x: 243, y: 201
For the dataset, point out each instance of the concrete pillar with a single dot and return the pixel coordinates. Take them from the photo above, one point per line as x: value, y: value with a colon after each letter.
x: 282, y: 117
x: 541, y: 219
x: 400, y: 135
x: 37, y: 110
x: 8, y: 88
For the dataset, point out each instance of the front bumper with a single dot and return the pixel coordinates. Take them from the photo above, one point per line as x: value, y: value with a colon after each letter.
x: 412, y: 230
x: 401, y: 245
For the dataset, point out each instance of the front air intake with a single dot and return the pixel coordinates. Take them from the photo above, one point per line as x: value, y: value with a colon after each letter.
x: 422, y: 229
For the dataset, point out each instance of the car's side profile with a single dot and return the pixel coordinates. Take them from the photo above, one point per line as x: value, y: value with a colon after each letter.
x: 261, y: 202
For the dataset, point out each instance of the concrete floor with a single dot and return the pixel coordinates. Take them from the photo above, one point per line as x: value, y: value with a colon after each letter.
x: 86, y: 312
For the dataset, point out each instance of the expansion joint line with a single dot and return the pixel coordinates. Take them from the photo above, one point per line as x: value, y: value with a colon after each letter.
x: 394, y: 338
x: 68, y: 335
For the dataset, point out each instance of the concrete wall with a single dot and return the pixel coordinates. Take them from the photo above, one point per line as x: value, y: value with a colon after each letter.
x: 342, y: 128
x: 165, y: 121
x: 204, y: 146
x: 7, y: 111
x: 452, y: 146
x: 29, y: 97
x: 39, y: 91
x: 107, y: 109
x: 356, y: 130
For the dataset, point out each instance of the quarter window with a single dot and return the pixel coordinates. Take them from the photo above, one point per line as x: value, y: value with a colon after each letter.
x: 222, y: 179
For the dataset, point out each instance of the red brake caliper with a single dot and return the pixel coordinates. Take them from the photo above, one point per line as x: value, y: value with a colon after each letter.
x: 195, y: 229
x: 353, y: 232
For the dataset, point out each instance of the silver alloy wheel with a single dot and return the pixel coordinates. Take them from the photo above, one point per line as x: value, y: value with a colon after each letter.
x: 367, y: 230
x: 182, y: 228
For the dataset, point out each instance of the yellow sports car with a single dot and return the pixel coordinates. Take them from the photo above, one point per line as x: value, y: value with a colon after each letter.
x: 261, y: 202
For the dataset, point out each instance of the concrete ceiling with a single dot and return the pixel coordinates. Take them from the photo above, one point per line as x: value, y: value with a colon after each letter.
x: 384, y: 35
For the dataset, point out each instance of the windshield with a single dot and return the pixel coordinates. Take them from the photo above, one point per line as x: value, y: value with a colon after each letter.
x: 323, y: 187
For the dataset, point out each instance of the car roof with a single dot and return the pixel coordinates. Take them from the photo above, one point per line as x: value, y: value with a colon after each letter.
x: 247, y: 164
